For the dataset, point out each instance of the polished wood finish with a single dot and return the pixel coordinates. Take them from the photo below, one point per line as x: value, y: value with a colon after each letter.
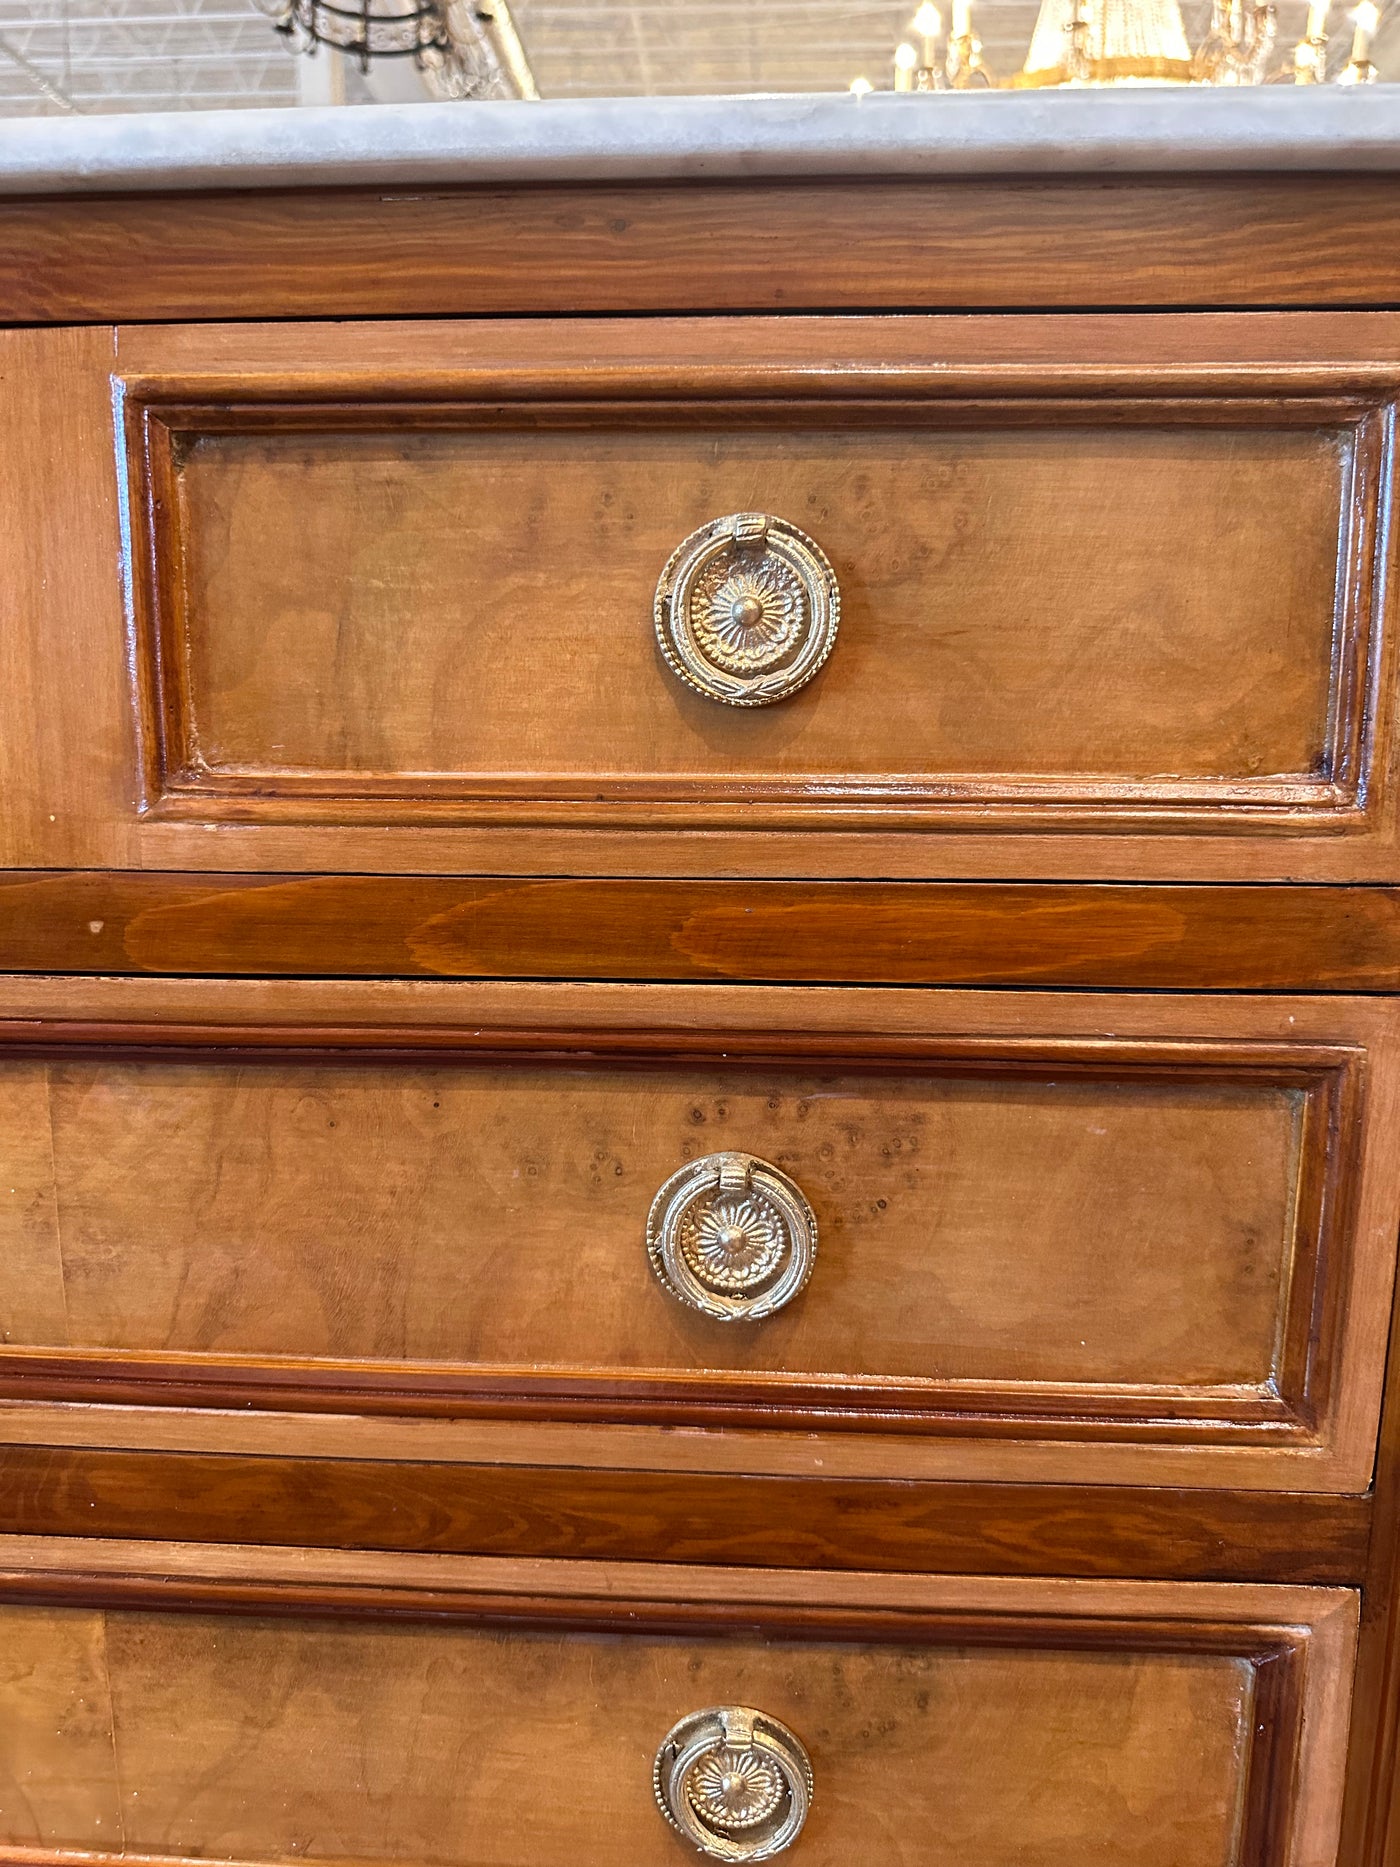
x: 1149, y: 762
x: 1160, y: 1217
x: 1194, y: 1223
x: 479, y: 1226
x: 313, y: 845
x: 60, y: 557
x: 1044, y: 607
x: 497, y: 1509
x: 1172, y: 938
x: 1048, y: 604
x: 491, y: 1713
x: 1372, y: 1826
x: 1013, y: 241
x: 378, y: 1214
x: 1206, y: 1724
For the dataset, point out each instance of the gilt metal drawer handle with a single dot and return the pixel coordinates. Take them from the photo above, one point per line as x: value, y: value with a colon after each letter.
x: 734, y: 1782
x: 733, y: 1236
x: 747, y: 610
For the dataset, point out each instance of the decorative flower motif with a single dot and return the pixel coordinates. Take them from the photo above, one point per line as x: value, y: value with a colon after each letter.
x: 747, y: 616
x: 734, y: 1789
x: 734, y: 1243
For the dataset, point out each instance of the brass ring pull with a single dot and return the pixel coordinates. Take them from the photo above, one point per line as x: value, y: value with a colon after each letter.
x: 735, y: 1783
x: 747, y: 610
x: 733, y: 1236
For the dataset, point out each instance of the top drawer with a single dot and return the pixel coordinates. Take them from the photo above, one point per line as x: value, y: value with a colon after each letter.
x: 1110, y: 595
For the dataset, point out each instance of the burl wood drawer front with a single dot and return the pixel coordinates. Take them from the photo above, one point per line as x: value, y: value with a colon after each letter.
x: 1088, y: 593
x: 1110, y: 1222
x: 947, y: 1723
x: 1112, y: 596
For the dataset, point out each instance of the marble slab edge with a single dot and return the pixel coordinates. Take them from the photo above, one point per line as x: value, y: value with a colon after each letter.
x: 700, y: 138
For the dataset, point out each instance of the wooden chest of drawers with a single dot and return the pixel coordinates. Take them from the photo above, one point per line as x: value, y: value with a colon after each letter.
x: 700, y: 1025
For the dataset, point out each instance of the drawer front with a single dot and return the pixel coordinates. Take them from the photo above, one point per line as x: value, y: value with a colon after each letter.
x: 943, y: 1722
x: 1106, y: 592
x: 1161, y: 1224
x: 1070, y: 612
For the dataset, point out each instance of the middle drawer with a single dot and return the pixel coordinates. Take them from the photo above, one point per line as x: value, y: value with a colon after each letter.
x: 1018, y: 1216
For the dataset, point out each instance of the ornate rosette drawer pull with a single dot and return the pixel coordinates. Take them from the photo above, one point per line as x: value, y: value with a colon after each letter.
x: 747, y: 610
x: 732, y: 1236
x: 734, y: 1782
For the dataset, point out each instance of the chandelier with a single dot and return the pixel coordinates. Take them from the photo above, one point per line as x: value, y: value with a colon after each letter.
x: 464, y: 48
x: 1101, y: 42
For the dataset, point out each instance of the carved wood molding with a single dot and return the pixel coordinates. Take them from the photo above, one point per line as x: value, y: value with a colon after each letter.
x: 1297, y: 1643
x: 1294, y: 1407
x: 165, y: 417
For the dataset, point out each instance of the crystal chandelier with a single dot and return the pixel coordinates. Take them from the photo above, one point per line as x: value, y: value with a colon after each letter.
x: 464, y: 48
x: 1103, y: 42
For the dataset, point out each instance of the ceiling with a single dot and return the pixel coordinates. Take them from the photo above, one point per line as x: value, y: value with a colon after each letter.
x: 578, y: 47
x: 104, y: 55
x: 62, y: 55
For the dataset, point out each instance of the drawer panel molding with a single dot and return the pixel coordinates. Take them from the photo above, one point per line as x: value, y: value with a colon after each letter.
x: 274, y: 1706
x: 1175, y: 1236
x: 1114, y: 597
x: 1086, y: 599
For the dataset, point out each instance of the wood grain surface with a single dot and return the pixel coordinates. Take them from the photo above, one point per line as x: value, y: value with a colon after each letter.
x: 1010, y: 1227
x: 497, y: 1509
x: 1172, y: 938
x: 274, y: 1741
x: 60, y: 555
x: 1012, y: 241
x: 1204, y: 1723
x: 1372, y: 1828
x: 1036, y: 623
x: 904, y: 1690
x: 1178, y: 1233
x: 1103, y: 593
x: 1287, y: 777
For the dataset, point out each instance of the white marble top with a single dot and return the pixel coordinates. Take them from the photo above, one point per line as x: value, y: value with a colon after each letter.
x: 654, y: 139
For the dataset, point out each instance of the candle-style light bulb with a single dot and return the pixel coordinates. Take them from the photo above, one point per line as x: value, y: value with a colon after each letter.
x: 1366, y: 18
x: 906, y: 63
x: 928, y: 23
x: 861, y: 87
x: 1359, y: 69
x: 1317, y: 18
x: 962, y: 19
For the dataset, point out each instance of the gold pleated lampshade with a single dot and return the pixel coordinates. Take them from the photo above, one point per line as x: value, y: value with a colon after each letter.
x: 1118, y: 41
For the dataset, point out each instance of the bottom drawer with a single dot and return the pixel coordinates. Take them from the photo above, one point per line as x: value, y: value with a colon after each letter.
x: 258, y: 1705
